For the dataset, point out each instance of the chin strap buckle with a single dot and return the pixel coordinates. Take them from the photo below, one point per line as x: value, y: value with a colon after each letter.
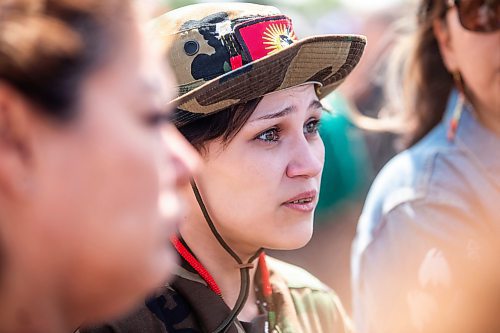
x: 247, y: 265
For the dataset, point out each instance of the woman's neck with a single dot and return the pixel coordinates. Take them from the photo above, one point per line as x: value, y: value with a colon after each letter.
x: 221, y: 265
x: 488, y: 114
x: 490, y: 120
x: 26, y: 305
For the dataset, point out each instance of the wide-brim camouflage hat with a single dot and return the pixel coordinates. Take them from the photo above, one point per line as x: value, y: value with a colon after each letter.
x: 224, y: 54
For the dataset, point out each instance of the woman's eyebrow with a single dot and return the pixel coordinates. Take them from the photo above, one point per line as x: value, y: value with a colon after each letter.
x: 315, y: 105
x: 279, y: 114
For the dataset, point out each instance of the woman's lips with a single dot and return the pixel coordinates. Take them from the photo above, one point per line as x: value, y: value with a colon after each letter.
x: 303, y: 202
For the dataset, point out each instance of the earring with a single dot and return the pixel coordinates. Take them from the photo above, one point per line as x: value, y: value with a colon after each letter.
x: 457, y: 112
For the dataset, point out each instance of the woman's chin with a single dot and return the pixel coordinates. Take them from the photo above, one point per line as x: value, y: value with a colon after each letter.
x: 292, y: 241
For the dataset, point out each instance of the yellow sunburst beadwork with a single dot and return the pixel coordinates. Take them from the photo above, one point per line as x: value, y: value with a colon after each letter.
x: 277, y: 37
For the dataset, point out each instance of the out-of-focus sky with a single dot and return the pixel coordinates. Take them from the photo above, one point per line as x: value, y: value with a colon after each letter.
x: 309, y: 6
x: 352, y: 4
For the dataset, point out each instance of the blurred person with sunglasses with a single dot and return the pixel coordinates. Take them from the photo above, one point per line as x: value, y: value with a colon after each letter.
x: 425, y: 258
x: 89, y: 176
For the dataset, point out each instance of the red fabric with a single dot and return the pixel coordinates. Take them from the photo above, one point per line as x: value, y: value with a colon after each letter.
x: 205, y: 275
x: 267, y: 291
x: 197, y: 266
x: 236, y: 62
x: 258, y: 37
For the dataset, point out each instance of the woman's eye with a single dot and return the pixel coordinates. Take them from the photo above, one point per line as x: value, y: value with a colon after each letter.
x: 271, y: 135
x: 311, y: 127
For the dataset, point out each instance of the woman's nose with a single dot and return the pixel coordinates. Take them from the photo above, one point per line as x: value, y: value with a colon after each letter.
x: 307, y: 159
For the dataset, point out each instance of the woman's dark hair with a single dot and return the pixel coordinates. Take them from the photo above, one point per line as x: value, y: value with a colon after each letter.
x: 222, y: 125
x: 427, y: 82
x: 48, y: 47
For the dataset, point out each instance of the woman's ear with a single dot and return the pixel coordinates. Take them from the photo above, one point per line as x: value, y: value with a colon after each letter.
x: 442, y: 32
x: 16, y: 142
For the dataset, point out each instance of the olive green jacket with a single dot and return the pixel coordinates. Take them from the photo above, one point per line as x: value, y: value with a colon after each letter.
x: 303, y: 305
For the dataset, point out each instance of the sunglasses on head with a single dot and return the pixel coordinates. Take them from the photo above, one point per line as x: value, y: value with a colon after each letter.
x: 478, y: 15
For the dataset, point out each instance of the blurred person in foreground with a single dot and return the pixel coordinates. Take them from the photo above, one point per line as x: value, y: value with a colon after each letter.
x: 425, y: 257
x: 84, y: 162
x: 249, y: 103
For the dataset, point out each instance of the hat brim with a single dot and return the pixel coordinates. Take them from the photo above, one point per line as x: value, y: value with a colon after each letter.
x: 326, y: 59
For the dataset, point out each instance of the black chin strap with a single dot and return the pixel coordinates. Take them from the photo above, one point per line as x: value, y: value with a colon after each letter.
x: 244, y: 267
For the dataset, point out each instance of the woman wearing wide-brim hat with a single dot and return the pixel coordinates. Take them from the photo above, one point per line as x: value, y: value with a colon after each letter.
x: 248, y: 100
